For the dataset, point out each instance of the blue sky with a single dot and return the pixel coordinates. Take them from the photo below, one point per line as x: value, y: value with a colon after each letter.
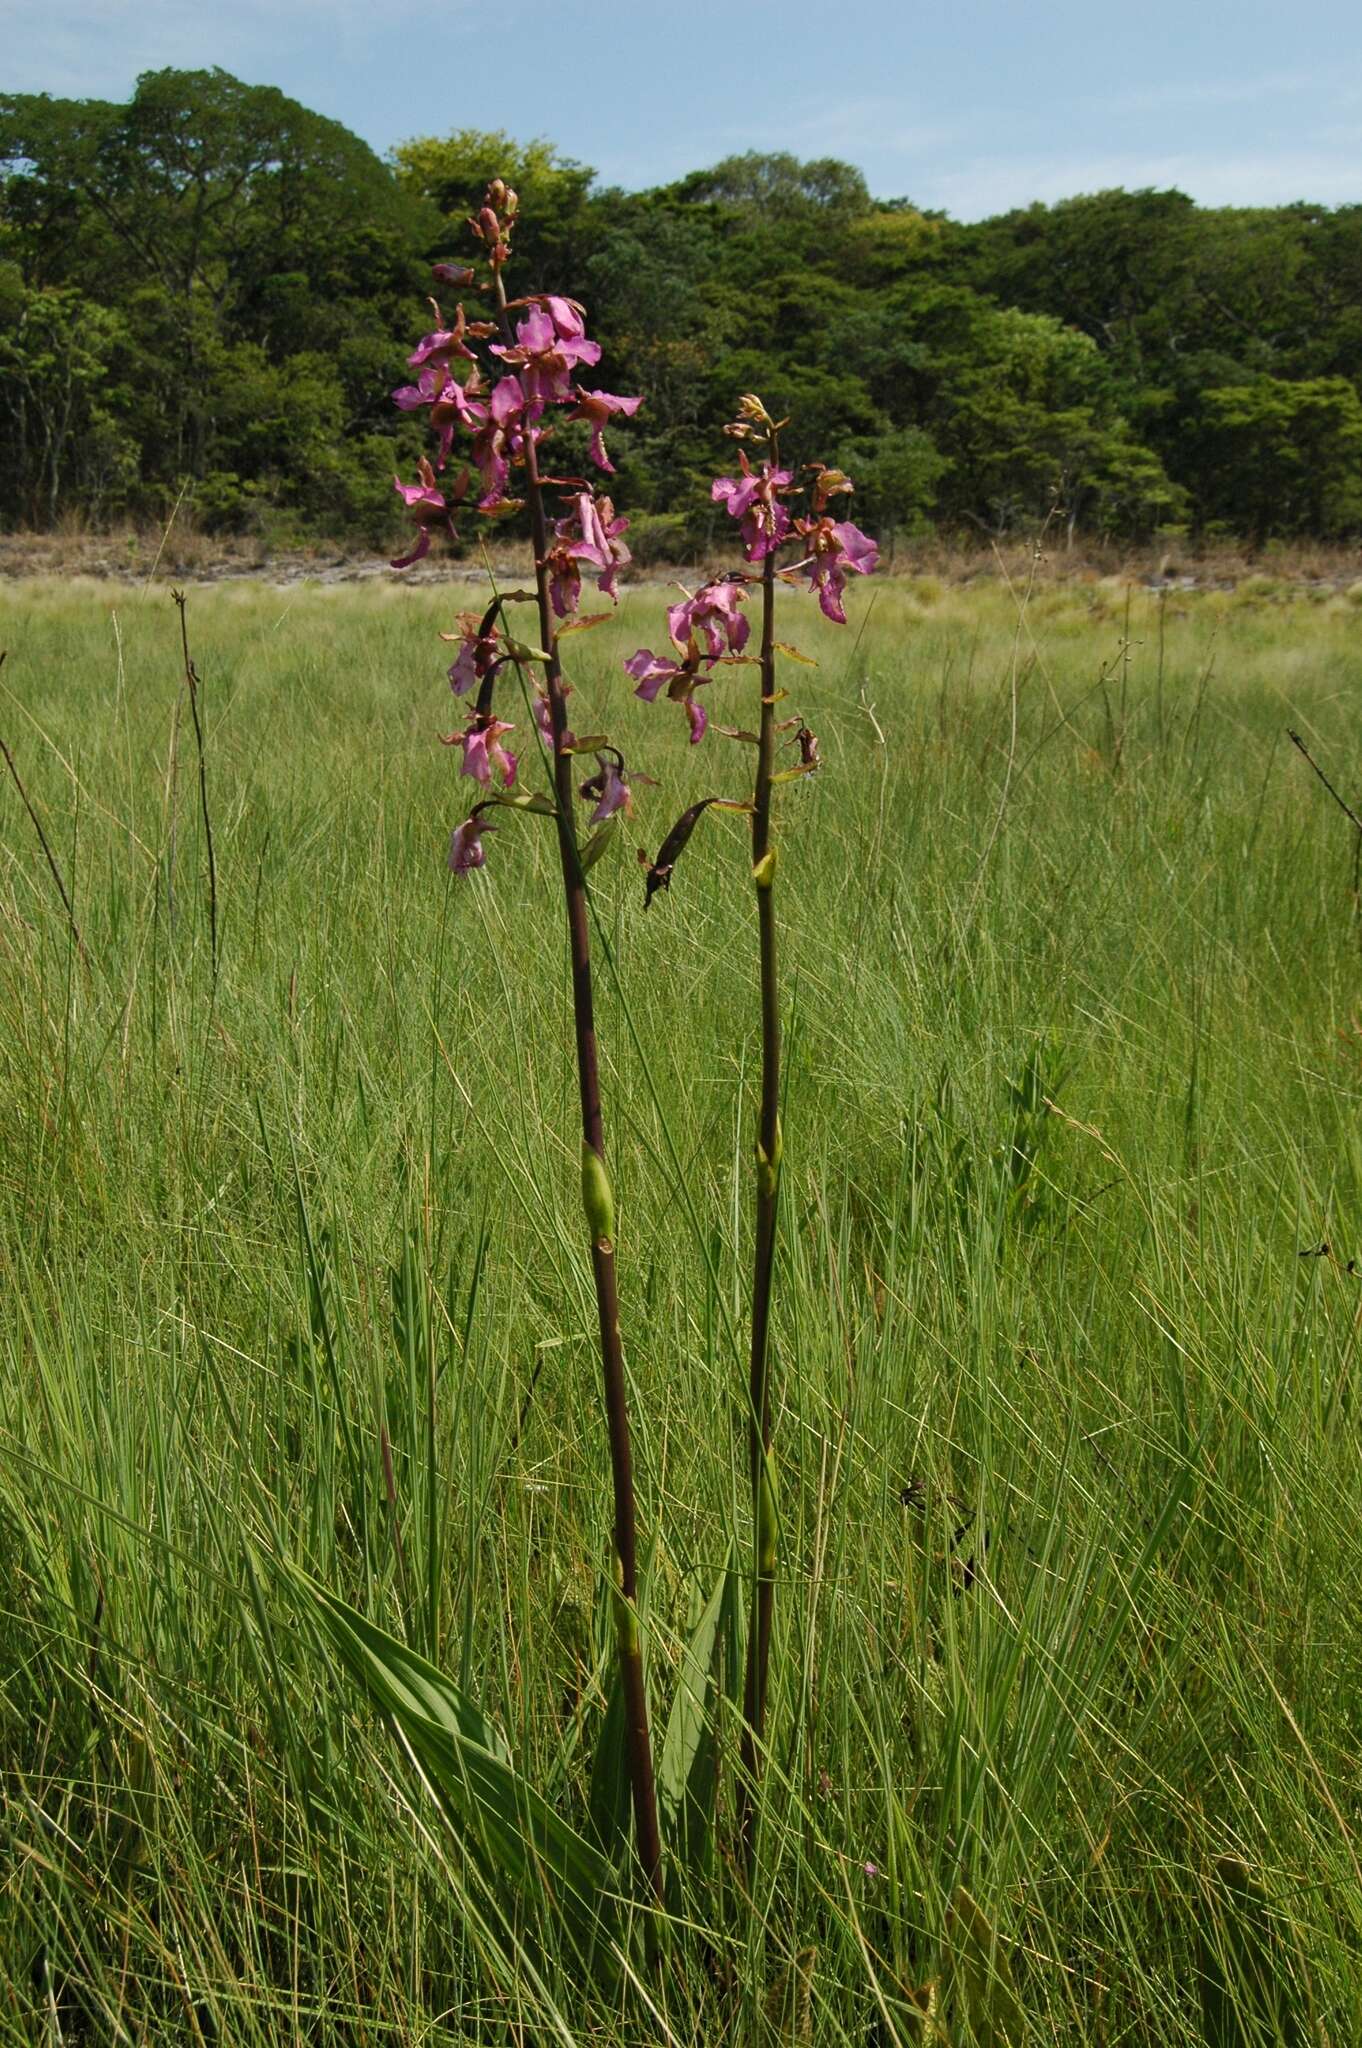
x: 972, y: 107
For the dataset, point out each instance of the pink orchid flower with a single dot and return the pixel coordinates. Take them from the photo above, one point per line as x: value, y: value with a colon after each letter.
x: 444, y: 342
x: 451, y: 403
x: 713, y: 614
x: 596, y: 407
x: 466, y: 850
x: 477, y: 654
x: 546, y: 358
x: 602, y: 546
x: 611, y: 787
x: 426, y: 507
x: 483, y: 751
x: 834, y: 548
x: 654, y: 672
x: 500, y: 440
x: 589, y: 533
x: 543, y: 718
x: 754, y: 499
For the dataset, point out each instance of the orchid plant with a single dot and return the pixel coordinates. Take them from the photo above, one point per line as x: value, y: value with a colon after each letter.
x: 493, y: 390
x: 706, y: 632
x: 506, y: 407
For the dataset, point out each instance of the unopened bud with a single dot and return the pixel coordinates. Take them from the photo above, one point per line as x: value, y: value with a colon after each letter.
x: 511, y: 201
x: 598, y: 1201
x: 496, y: 195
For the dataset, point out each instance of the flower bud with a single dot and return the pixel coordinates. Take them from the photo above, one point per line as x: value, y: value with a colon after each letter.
x: 598, y: 1201
x: 496, y: 195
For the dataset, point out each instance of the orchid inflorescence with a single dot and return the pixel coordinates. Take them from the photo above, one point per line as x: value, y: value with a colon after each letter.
x: 710, y: 630
x: 506, y: 418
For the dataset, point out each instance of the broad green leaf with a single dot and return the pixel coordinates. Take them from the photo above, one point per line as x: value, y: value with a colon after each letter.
x: 686, y: 1722
x: 610, y: 1788
x: 511, y: 1826
x: 595, y: 846
x: 526, y: 800
x: 687, y: 1774
x: 982, y: 1975
x: 1248, y: 1998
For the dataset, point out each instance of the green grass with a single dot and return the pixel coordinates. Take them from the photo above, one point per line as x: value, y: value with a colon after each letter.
x: 1069, y: 1611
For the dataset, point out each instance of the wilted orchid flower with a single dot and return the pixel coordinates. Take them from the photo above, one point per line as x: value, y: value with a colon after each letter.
x: 713, y: 613
x: 466, y: 850
x: 482, y: 749
x: 596, y: 407
x: 833, y: 549
x: 754, y: 498
x: 426, y: 507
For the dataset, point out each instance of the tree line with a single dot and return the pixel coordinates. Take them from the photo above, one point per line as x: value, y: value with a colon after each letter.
x: 206, y: 295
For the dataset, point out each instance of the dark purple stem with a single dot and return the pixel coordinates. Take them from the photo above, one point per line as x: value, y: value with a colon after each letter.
x: 597, y: 1203
x: 768, y: 1197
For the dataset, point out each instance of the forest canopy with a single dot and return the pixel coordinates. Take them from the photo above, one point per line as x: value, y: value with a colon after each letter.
x: 206, y: 295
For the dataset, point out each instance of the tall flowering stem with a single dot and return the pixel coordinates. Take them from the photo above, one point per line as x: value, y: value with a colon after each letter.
x: 506, y: 408
x: 768, y: 1149
x: 597, y: 1199
x: 708, y: 631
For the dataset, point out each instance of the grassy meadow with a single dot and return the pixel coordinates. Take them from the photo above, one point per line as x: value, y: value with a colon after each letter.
x: 1070, y: 1611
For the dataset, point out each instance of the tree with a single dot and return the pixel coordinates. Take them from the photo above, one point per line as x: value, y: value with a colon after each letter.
x: 59, y: 355
x: 451, y: 173
x: 1285, y: 458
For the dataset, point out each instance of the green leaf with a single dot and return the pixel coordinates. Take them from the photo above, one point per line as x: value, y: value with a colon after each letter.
x: 1248, y: 1998
x: 610, y: 1794
x: 527, y: 800
x: 508, y: 1825
x: 596, y: 845
x: 982, y: 1975
x: 687, y: 1772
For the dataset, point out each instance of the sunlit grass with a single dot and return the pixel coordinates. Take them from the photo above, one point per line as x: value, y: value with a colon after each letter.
x: 1068, y: 1605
